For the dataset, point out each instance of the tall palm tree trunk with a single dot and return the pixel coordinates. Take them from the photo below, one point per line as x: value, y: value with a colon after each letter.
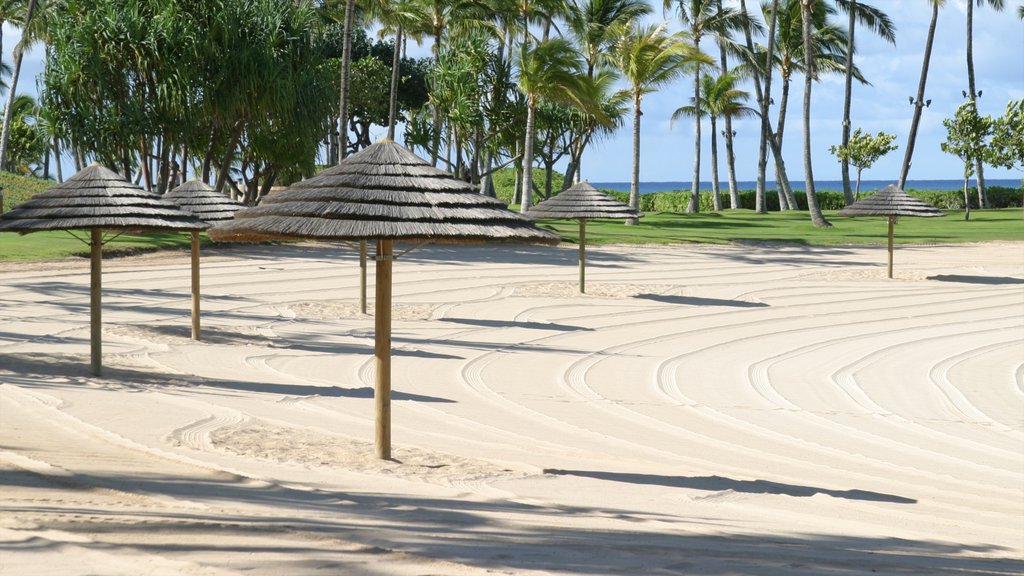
x: 634, y: 181
x: 346, y: 71
x: 526, y: 202
x: 979, y: 166
x: 730, y: 157
x: 396, y: 62
x: 919, y: 103
x: 763, y: 100
x: 812, y: 198
x: 847, y: 97
x: 716, y: 192
x: 19, y: 55
x: 694, y: 205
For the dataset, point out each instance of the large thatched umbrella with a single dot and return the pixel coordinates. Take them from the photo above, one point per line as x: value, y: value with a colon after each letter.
x: 582, y: 202
x: 98, y: 199
x: 892, y: 203
x: 205, y: 203
x: 383, y: 193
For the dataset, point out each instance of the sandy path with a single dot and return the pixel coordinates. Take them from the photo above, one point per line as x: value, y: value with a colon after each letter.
x: 703, y: 410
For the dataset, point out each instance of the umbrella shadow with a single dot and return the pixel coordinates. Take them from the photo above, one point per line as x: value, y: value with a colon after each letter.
x: 514, y: 324
x: 68, y: 370
x: 969, y: 279
x: 722, y: 484
x: 698, y: 301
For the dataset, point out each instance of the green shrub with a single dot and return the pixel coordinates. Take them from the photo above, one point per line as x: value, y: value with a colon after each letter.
x: 18, y: 189
x: 505, y: 182
x: 998, y: 197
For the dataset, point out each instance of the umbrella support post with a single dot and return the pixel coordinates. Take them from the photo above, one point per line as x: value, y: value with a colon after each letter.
x: 583, y: 255
x: 195, y: 286
x: 892, y: 221
x: 382, y: 351
x: 362, y: 276
x: 95, y: 307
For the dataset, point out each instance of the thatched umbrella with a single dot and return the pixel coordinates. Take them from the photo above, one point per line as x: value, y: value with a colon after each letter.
x: 892, y: 203
x: 383, y: 193
x: 205, y: 203
x: 582, y: 201
x: 98, y: 199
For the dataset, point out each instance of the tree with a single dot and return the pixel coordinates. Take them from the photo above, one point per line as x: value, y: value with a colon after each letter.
x: 919, y: 102
x: 19, y: 55
x: 28, y: 143
x: 721, y: 100
x: 648, y: 58
x: 967, y: 135
x: 862, y: 150
x: 972, y: 92
x: 550, y: 70
x: 1006, y: 148
x: 704, y: 17
x: 880, y: 23
x: 810, y: 74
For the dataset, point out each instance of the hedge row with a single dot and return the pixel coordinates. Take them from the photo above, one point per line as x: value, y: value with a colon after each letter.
x: 998, y: 197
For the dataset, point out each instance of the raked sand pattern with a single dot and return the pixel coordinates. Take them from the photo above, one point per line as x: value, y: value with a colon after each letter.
x: 702, y: 410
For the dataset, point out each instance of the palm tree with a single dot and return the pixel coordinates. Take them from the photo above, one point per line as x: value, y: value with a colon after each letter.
x: 705, y: 17
x: 979, y: 165
x: 396, y: 17
x: 591, y: 24
x: 550, y: 70
x: 810, y: 74
x: 880, y: 23
x: 721, y: 99
x: 919, y: 102
x: 648, y: 58
x: 19, y: 55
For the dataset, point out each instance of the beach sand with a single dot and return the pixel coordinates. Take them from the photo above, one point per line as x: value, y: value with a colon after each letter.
x: 756, y: 409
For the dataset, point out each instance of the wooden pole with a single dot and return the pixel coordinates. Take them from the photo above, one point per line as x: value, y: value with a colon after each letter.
x: 583, y: 254
x: 195, y: 286
x: 95, y: 308
x: 892, y: 221
x: 382, y: 351
x: 362, y: 276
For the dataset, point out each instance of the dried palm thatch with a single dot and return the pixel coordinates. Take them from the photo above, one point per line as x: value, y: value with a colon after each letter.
x: 582, y: 201
x: 203, y: 202
x: 98, y: 199
x: 892, y: 203
x: 383, y: 193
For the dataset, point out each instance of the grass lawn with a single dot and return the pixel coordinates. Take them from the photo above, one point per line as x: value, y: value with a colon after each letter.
x: 795, y: 227
x: 657, y: 228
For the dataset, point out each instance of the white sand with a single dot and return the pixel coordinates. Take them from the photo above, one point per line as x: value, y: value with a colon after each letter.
x: 703, y: 410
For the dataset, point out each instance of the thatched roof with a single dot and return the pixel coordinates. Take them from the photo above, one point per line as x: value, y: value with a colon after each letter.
x: 382, y: 192
x: 890, y: 201
x: 97, y: 197
x: 203, y: 202
x: 582, y: 200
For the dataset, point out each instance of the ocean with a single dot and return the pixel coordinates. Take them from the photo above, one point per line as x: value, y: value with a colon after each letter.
x: 820, y: 185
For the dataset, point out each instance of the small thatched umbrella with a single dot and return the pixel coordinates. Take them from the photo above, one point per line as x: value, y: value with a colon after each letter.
x: 383, y: 193
x: 892, y: 203
x: 205, y: 203
x: 582, y: 201
x: 98, y: 199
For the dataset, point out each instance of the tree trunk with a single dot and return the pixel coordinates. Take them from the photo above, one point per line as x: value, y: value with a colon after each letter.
x: 694, y: 206
x: 716, y: 193
x: 208, y: 158
x: 346, y: 69
x: 56, y: 160
x: 967, y: 199
x: 809, y: 75
x: 919, y: 104
x: 857, y: 197
x: 435, y: 112
x: 229, y: 153
x: 979, y: 165
x: 764, y: 99
x: 396, y: 62
x: 634, y: 180
x: 730, y: 158
x: 19, y: 55
x: 526, y: 201
x: 848, y: 94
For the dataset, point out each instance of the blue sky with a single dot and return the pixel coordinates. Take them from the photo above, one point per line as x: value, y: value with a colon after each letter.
x: 894, y: 71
